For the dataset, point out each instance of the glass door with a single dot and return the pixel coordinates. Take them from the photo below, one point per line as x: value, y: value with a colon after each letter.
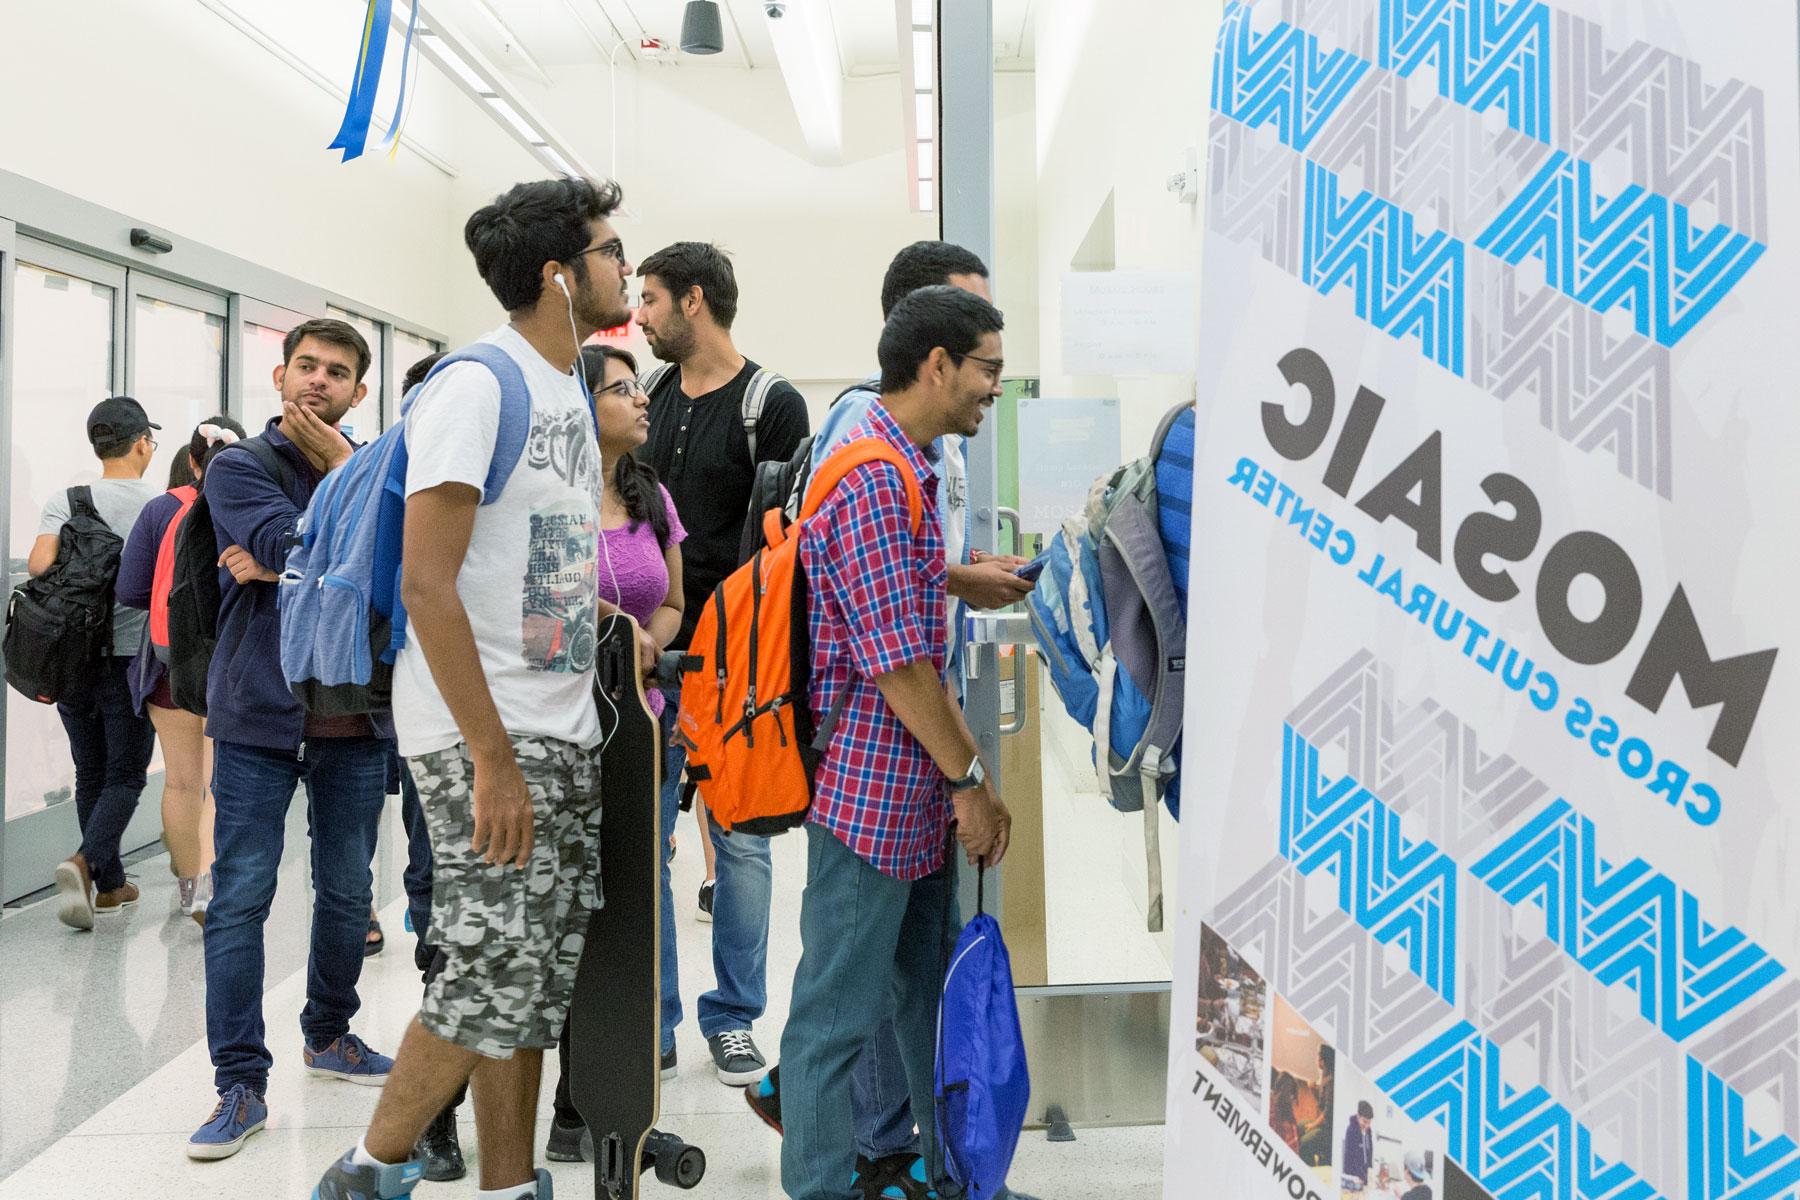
x: 177, y: 362
x: 1092, y: 966
x: 67, y: 339
x: 364, y: 422
x: 261, y: 331
x: 408, y: 349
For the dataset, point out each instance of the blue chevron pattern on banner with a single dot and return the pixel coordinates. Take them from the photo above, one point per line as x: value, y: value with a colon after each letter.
x: 1626, y: 923
x: 1280, y: 77
x: 1401, y: 891
x: 1519, y: 1145
x: 1488, y: 53
x: 1638, y: 250
x: 1407, y: 284
x: 1726, y: 1158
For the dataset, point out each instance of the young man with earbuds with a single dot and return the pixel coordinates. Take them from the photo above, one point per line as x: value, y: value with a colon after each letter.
x: 493, y: 694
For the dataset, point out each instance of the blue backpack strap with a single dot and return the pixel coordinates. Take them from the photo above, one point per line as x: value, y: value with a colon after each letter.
x: 515, y: 409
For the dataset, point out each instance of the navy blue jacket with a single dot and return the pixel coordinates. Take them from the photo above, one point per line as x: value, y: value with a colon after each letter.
x: 247, y: 697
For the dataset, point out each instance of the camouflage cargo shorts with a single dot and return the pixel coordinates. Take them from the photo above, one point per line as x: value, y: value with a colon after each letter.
x: 511, y: 937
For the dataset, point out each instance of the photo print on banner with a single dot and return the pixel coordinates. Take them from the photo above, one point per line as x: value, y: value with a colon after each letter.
x: 1495, y: 512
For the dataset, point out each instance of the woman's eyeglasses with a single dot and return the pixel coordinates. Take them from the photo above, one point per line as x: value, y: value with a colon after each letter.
x: 630, y: 389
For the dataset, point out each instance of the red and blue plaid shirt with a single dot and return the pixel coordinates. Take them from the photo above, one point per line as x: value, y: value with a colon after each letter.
x: 877, y: 597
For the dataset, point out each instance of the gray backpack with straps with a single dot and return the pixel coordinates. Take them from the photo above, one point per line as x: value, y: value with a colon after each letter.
x: 756, y: 394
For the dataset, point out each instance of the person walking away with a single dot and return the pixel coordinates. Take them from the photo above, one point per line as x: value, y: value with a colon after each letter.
x: 640, y: 574
x: 714, y: 415
x: 265, y: 745
x: 901, y: 777
x: 493, y: 693
x: 145, y: 573
x: 109, y: 741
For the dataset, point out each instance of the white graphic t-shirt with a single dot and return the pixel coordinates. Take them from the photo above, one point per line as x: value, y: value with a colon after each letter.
x: 529, y: 580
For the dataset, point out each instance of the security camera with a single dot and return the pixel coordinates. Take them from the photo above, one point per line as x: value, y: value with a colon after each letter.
x: 774, y: 10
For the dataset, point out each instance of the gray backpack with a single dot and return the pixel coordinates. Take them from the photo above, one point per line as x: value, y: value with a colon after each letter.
x: 1108, y: 570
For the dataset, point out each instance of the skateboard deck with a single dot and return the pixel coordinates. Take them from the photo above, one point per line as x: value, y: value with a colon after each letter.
x: 615, y: 1021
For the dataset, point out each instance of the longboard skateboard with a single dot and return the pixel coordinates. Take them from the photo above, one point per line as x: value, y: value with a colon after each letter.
x: 615, y: 1015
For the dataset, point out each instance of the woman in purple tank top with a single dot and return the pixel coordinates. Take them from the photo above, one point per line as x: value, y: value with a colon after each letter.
x: 640, y: 562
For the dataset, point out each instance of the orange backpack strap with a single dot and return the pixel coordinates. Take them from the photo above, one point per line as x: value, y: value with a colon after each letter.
x: 847, y: 458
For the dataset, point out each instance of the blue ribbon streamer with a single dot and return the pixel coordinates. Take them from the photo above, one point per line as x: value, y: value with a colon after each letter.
x: 353, y: 134
x: 412, y: 25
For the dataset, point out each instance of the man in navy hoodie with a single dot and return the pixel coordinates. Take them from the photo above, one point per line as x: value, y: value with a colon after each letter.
x: 266, y: 745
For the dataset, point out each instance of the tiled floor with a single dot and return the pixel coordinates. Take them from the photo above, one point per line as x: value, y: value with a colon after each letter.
x: 104, y: 1071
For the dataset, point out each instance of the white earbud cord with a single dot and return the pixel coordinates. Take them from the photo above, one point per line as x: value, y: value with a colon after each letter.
x: 587, y: 398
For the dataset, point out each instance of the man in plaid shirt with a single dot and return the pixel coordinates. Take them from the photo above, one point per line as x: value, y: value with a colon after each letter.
x: 902, y: 770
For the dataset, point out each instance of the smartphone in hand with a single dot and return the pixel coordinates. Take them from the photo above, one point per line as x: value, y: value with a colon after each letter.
x: 1031, y: 570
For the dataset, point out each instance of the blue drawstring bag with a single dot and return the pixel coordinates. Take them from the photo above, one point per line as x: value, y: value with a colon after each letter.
x: 983, y: 1087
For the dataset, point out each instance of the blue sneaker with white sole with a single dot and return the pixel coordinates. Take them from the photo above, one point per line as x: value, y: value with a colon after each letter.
x: 350, y: 1180
x: 350, y: 1059
x: 240, y: 1113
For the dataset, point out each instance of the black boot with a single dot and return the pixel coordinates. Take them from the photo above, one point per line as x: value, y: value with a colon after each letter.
x: 439, y: 1149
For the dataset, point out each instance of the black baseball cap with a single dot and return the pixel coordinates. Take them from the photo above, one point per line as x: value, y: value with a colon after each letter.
x: 116, y: 420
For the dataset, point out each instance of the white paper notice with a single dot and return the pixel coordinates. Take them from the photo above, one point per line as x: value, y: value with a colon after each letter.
x: 1128, y: 323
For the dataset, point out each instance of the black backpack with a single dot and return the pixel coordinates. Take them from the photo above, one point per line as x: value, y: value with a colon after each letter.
x: 783, y: 484
x: 194, y: 592
x: 59, y: 625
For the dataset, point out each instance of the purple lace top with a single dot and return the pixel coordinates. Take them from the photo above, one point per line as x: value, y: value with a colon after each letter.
x: 631, y: 555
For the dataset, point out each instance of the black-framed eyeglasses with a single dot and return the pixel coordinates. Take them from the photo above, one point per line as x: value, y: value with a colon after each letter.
x: 629, y: 388
x: 996, y: 366
x: 612, y: 248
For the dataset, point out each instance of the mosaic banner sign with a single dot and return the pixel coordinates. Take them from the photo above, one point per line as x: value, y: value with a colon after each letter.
x: 1490, y: 865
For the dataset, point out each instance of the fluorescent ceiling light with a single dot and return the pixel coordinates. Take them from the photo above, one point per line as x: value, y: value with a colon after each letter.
x: 451, y: 59
x: 927, y: 196
x: 925, y: 113
x: 558, y: 161
x: 520, y: 125
x: 924, y: 12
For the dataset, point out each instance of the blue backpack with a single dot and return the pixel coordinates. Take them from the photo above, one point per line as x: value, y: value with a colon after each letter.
x: 342, y: 620
x: 982, y: 1086
x: 1111, y: 621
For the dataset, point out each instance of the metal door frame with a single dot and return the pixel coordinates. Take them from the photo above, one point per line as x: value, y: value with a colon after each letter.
x: 1123, y: 1025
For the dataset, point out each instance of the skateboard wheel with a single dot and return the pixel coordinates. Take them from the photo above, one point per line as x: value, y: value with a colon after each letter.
x: 681, y: 1166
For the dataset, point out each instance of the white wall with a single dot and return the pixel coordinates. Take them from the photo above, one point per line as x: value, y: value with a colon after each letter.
x: 161, y: 110
x: 1122, y: 92
x: 715, y: 154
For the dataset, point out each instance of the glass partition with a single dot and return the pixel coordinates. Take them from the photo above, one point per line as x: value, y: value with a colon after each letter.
x: 178, y: 357
x: 66, y: 311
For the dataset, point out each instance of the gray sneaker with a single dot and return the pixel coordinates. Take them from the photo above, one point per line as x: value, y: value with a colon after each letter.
x: 736, y: 1057
x: 349, y: 1180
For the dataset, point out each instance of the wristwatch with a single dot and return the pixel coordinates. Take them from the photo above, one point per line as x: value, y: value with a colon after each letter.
x: 975, y: 778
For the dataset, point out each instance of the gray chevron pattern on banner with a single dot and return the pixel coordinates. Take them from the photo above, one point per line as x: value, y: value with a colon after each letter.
x: 1588, y: 1043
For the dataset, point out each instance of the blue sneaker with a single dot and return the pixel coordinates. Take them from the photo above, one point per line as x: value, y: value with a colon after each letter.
x: 349, y: 1180
x: 349, y: 1058
x: 240, y: 1113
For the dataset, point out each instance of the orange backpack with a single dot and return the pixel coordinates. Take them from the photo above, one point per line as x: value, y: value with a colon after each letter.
x: 752, y: 739
x: 164, y: 576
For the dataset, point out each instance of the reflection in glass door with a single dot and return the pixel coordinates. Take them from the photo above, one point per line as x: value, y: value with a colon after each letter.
x: 65, y: 359
x: 178, y: 364
x: 408, y: 350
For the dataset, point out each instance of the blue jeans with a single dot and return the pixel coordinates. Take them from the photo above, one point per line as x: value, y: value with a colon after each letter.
x: 346, y: 782
x: 111, y: 746
x: 870, y: 945
x: 674, y: 758
x: 741, y: 899
x: 417, y: 878
x: 880, y: 1097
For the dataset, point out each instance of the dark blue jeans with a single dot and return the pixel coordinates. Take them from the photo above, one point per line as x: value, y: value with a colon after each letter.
x: 417, y: 878
x: 346, y: 785
x: 872, y: 947
x: 111, y: 745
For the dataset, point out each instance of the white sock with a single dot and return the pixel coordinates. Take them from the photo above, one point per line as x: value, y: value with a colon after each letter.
x: 518, y: 1191
x: 362, y: 1158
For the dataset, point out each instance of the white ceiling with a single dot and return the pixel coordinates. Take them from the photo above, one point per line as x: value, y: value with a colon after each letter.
x: 534, y: 37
